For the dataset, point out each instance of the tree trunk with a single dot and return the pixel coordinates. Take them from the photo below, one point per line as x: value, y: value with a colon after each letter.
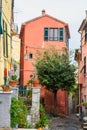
x: 55, y: 102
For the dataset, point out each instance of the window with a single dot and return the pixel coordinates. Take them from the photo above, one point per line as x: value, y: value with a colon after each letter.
x: 53, y: 34
x: 30, y: 55
x: 85, y: 65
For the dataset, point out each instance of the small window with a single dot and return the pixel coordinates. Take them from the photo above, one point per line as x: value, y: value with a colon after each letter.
x: 31, y: 76
x: 30, y: 55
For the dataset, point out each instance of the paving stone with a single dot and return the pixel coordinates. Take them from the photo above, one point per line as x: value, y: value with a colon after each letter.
x: 65, y: 123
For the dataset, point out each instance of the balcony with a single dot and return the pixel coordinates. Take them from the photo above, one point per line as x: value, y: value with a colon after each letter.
x: 14, y: 29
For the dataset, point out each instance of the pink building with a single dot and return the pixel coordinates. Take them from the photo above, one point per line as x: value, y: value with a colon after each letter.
x: 37, y: 34
x: 81, y: 57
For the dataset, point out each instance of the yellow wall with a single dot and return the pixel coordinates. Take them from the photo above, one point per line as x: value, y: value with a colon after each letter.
x: 6, y: 16
x: 16, y: 53
x: 16, y: 48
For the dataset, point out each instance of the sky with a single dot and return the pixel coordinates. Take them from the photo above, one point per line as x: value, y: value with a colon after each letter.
x: 69, y: 11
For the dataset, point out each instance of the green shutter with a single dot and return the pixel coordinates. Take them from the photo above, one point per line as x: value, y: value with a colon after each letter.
x: 1, y: 23
x: 6, y: 45
x: 6, y: 42
x: 61, y: 34
x: 45, y: 33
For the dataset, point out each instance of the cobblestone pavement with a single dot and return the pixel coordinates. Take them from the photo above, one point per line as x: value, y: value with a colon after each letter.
x: 65, y: 123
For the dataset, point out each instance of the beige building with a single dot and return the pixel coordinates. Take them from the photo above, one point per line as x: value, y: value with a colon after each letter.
x: 15, y: 53
x: 6, y: 32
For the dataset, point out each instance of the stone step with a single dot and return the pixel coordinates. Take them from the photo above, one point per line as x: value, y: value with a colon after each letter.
x: 85, y: 123
x: 84, y: 127
x: 25, y: 129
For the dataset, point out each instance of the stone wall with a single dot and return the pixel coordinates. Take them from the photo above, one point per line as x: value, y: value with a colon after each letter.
x: 15, y: 92
x: 34, y: 113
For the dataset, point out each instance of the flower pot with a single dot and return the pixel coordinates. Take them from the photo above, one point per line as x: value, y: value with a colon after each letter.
x: 6, y: 88
x: 13, y: 83
x: 35, y: 83
x: 40, y: 128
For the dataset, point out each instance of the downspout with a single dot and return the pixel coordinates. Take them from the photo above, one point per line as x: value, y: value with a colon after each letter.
x: 79, y: 97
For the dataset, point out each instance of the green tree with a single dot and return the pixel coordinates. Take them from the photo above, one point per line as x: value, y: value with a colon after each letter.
x: 55, y: 71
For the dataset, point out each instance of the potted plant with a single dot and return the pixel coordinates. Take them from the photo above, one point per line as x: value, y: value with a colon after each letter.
x: 14, y: 81
x: 6, y: 88
x: 44, y: 121
x: 33, y: 82
x: 30, y: 83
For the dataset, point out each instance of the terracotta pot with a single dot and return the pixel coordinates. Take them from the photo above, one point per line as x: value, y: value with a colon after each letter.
x: 13, y: 83
x: 40, y: 128
x: 6, y: 88
x: 35, y: 83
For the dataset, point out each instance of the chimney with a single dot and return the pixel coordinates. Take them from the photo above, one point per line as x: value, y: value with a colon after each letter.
x: 43, y: 12
x: 86, y: 14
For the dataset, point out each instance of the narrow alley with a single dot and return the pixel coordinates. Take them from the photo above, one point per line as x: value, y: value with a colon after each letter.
x: 65, y: 123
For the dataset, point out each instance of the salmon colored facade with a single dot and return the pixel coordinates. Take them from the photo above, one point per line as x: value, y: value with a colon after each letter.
x: 81, y: 57
x: 37, y: 34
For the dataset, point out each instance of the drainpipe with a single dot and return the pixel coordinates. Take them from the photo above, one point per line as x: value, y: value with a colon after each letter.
x: 79, y: 96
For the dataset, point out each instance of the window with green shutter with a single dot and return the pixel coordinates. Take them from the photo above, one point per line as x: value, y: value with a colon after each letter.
x: 46, y: 34
x: 53, y: 34
x: 61, y: 34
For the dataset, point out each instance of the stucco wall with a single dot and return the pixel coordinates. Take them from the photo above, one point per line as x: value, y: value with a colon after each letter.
x: 5, y: 102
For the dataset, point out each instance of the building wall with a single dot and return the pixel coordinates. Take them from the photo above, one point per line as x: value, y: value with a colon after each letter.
x: 32, y: 39
x: 62, y: 102
x: 82, y: 76
x: 6, y: 11
x: 15, y: 52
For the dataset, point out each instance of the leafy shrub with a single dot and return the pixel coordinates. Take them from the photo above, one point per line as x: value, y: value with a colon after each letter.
x: 18, y: 113
x: 43, y: 118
